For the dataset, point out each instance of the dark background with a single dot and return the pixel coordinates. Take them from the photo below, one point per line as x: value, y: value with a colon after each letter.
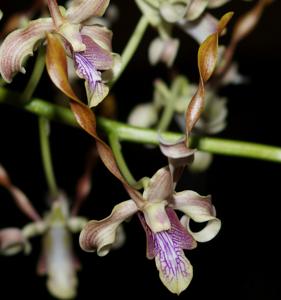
x: 243, y: 261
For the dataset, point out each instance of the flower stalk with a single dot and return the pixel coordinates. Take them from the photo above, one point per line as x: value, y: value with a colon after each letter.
x: 131, y: 46
x: 46, y: 155
x: 117, y: 151
x: 35, y: 76
x: 132, y: 134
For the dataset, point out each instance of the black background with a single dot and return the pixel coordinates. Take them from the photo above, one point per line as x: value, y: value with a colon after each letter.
x: 243, y: 261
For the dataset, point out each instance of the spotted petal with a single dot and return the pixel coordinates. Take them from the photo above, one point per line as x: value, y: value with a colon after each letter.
x: 100, y: 235
x: 20, y: 44
x: 84, y: 9
x: 199, y: 209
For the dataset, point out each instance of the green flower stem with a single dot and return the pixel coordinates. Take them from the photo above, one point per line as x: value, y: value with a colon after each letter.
x: 117, y: 151
x: 46, y: 155
x: 145, y: 136
x: 35, y: 76
x: 168, y: 112
x: 131, y: 46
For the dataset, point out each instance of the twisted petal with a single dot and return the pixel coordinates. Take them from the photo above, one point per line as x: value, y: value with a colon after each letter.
x: 12, y: 241
x: 84, y: 9
x: 20, y: 44
x: 199, y: 209
x: 100, y: 235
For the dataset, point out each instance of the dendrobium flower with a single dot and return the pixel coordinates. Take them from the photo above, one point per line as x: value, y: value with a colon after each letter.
x: 57, y: 259
x: 189, y: 15
x: 166, y: 236
x: 88, y: 46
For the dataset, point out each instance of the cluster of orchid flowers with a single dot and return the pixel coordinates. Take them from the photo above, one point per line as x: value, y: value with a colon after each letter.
x: 75, y: 33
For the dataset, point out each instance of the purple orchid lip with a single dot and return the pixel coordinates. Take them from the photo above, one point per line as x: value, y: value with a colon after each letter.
x: 166, y: 247
x: 87, y: 70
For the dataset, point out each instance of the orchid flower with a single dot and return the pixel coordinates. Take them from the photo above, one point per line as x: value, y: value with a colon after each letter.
x: 166, y: 236
x: 189, y: 15
x: 57, y: 259
x: 88, y: 46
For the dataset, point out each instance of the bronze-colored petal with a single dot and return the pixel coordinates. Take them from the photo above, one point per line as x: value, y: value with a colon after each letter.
x: 244, y: 26
x: 85, y: 9
x: 207, y: 57
x: 57, y: 69
x: 20, y: 44
x: 100, y: 235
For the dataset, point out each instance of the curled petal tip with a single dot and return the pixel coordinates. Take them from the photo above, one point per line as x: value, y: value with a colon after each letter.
x: 20, y: 44
x: 100, y: 235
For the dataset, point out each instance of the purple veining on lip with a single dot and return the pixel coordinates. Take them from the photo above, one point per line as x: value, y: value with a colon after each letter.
x: 87, y: 70
x: 170, y: 255
x: 167, y: 247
